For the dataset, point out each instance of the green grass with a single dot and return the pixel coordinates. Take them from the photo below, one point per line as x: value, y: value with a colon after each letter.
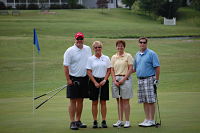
x: 178, y: 92
x: 188, y: 16
x: 112, y: 23
x: 17, y: 116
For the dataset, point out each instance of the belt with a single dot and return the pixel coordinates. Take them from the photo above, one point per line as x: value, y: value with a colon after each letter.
x: 145, y: 77
x: 122, y: 75
x: 73, y: 77
x: 99, y: 79
x: 119, y: 75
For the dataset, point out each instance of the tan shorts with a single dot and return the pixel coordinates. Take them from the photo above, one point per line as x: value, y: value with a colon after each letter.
x: 126, y: 89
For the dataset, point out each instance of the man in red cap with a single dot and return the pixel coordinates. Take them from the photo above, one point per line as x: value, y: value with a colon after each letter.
x: 75, y: 59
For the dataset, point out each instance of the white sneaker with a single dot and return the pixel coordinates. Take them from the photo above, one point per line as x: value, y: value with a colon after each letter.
x: 127, y: 124
x: 149, y: 123
x: 143, y: 123
x: 118, y: 123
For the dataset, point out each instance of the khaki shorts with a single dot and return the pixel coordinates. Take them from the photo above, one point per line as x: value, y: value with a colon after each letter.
x: 126, y: 89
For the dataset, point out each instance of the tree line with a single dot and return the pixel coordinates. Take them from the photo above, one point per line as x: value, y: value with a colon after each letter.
x: 164, y: 8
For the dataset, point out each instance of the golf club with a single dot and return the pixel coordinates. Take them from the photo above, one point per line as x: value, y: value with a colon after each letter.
x: 47, y: 93
x: 50, y: 97
x: 99, y: 98
x: 119, y: 105
x: 158, y: 124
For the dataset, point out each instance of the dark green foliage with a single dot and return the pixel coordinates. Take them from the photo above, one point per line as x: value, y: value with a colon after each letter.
x: 184, y: 3
x: 78, y: 6
x: 21, y: 6
x: 128, y: 3
x: 150, y: 5
x: 72, y: 4
x: 55, y: 6
x: 162, y: 8
x: 168, y: 9
x: 33, y: 6
x: 196, y: 4
x: 2, y: 6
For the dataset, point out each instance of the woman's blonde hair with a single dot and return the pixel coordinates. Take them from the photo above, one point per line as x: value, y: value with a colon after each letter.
x: 97, y: 42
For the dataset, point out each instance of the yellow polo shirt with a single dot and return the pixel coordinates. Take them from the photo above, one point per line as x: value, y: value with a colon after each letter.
x: 120, y: 63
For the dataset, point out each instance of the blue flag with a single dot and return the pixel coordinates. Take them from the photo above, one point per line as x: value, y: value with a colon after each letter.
x: 35, y: 40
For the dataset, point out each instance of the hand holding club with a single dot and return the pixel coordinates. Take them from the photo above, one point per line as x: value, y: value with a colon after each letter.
x: 155, y: 83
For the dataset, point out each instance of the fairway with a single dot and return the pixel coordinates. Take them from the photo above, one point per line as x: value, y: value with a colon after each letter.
x: 113, y: 23
x: 16, y: 115
x: 178, y: 90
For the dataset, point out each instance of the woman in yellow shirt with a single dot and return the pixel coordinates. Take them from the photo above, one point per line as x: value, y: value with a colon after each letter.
x: 122, y: 90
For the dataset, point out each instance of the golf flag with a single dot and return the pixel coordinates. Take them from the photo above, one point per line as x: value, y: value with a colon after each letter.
x: 35, y: 40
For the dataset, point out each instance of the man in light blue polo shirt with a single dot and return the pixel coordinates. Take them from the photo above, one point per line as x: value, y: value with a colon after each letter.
x: 147, y: 68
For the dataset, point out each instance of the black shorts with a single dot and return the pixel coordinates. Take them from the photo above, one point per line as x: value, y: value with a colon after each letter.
x: 94, y: 92
x: 79, y: 89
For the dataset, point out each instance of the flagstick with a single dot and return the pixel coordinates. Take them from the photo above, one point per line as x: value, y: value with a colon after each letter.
x: 33, y: 78
x: 36, y: 43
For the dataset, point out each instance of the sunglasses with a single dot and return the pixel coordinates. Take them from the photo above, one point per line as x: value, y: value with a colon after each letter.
x: 97, y: 47
x: 143, y: 42
x: 79, y: 39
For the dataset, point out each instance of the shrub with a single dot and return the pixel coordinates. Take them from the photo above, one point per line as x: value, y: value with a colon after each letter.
x: 65, y: 6
x: 2, y: 6
x: 33, y: 7
x: 9, y: 7
x: 163, y: 8
x: 72, y: 3
x: 196, y: 4
x: 21, y: 6
x: 168, y: 9
x: 78, y: 6
x: 55, y: 6
x: 160, y: 19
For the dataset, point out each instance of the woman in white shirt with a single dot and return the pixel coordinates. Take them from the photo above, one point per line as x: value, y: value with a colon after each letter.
x: 98, y: 70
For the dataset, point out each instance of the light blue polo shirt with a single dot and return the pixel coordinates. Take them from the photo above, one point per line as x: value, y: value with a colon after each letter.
x: 145, y: 63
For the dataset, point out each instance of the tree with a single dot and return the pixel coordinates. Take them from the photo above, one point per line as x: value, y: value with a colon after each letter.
x: 2, y: 6
x: 150, y: 5
x: 128, y: 3
x: 146, y: 5
x: 169, y: 9
x: 164, y: 8
x: 196, y: 4
x: 72, y: 3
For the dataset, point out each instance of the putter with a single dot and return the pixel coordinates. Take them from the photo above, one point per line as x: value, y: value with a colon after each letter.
x: 60, y: 89
x: 158, y: 124
x: 47, y: 93
x: 99, y: 98
x: 119, y: 107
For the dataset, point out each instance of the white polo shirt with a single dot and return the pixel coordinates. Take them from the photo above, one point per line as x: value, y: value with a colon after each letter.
x: 76, y: 60
x: 98, y: 66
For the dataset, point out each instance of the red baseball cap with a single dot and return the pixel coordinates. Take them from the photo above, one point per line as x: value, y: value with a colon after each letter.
x: 79, y: 34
